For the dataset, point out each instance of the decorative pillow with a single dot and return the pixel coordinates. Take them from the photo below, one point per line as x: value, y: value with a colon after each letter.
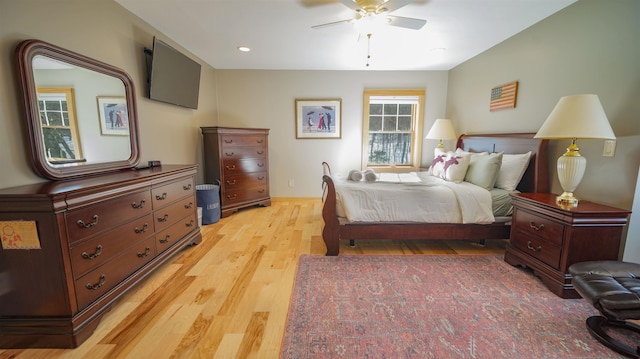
x: 512, y: 170
x: 450, y: 167
x: 483, y: 170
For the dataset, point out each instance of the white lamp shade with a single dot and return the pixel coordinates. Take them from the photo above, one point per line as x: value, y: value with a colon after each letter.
x: 441, y: 130
x: 577, y: 116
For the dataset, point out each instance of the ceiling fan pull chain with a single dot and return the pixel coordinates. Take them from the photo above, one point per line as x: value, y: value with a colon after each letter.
x: 368, y: 48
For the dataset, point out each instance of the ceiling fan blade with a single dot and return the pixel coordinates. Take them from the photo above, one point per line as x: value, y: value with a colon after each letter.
x: 406, y: 22
x: 314, y: 3
x: 351, y: 5
x: 332, y: 23
x: 392, y: 5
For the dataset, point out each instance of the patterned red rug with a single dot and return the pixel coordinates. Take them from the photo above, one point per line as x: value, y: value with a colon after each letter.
x: 431, y: 306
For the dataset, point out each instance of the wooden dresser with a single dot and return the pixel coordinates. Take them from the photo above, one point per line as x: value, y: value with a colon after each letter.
x: 78, y: 245
x: 548, y: 238
x: 239, y: 159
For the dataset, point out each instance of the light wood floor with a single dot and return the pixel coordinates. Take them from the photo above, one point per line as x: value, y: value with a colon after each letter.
x: 228, y: 297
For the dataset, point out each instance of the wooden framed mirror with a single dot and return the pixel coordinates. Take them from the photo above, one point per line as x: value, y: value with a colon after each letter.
x: 81, y: 115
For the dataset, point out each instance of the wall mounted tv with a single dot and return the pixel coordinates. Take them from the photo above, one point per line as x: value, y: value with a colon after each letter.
x: 173, y: 77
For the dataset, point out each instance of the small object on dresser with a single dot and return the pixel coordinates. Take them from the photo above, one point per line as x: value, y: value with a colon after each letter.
x: 155, y: 163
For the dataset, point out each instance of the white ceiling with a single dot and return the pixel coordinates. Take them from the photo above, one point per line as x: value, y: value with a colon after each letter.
x: 280, y: 36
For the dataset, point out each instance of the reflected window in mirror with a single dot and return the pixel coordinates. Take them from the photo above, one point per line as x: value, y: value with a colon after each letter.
x: 59, y: 125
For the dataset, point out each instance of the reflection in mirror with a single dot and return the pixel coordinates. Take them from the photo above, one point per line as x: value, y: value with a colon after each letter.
x: 81, y: 113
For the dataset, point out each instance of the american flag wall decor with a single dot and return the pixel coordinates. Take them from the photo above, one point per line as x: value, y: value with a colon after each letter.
x: 503, y: 96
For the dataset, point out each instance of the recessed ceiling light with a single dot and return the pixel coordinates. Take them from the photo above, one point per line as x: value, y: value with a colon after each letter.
x: 244, y: 48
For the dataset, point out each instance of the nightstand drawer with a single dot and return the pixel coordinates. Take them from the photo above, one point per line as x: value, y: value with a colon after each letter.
x: 541, y: 227
x: 541, y: 250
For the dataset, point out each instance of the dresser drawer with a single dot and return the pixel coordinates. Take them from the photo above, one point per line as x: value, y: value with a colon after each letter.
x: 540, y: 227
x: 228, y: 141
x: 82, y: 223
x: 245, y: 194
x: 234, y: 167
x: 103, y: 278
x: 98, y: 250
x: 167, y: 216
x: 235, y: 153
x: 245, y: 180
x: 165, y: 194
x: 542, y: 250
x: 169, y: 236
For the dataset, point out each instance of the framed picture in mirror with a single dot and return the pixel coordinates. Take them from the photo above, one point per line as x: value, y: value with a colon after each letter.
x: 114, y: 119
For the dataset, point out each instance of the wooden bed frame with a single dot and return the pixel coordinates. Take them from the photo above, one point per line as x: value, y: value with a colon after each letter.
x: 535, y: 179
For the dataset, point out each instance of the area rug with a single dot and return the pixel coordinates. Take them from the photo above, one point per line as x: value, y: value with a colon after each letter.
x: 431, y: 306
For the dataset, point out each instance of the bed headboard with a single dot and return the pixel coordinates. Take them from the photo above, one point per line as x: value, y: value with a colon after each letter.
x: 536, y: 177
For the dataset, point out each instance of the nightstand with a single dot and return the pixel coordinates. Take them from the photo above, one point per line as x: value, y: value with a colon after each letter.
x: 548, y: 238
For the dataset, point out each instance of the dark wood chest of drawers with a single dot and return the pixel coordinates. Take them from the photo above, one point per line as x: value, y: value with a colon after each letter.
x: 548, y: 238
x: 239, y: 159
x: 94, y: 239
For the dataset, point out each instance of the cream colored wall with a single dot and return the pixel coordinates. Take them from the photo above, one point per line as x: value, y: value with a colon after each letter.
x: 107, y: 32
x: 588, y: 47
x: 266, y: 99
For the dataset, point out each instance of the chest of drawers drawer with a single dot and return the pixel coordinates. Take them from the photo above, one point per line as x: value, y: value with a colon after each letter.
x: 85, y: 222
x: 167, y: 237
x: 103, y: 278
x: 235, y: 153
x: 245, y: 194
x: 165, y: 217
x: 232, y: 141
x: 99, y: 249
x: 165, y: 194
x: 245, y: 180
x: 540, y: 227
x: 234, y: 167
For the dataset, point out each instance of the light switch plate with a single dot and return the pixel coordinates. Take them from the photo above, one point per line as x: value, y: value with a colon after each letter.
x: 609, y: 148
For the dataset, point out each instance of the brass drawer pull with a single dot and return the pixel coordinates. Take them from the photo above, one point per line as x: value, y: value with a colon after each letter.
x: 90, y: 224
x: 535, y: 249
x: 260, y: 178
x: 231, y: 167
x: 229, y: 154
x: 539, y: 227
x: 228, y: 141
x: 163, y: 197
x: 261, y: 190
x: 135, y: 205
x: 95, y: 254
x: 147, y: 251
x: 103, y: 278
x: 166, y: 239
x: 260, y: 164
x: 260, y: 152
x: 232, y: 196
x: 143, y: 229
x: 187, y: 187
x: 187, y: 206
x: 231, y: 182
x: 164, y: 218
x: 190, y: 223
x: 260, y: 140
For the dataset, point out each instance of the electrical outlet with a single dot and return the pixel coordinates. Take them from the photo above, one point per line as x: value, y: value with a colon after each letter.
x: 609, y: 148
x: 290, y: 183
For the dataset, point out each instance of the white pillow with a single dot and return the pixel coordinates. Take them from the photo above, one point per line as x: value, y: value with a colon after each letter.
x: 512, y: 170
x: 450, y: 166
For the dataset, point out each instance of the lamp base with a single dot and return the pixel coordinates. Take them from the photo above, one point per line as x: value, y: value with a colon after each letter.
x: 567, y: 199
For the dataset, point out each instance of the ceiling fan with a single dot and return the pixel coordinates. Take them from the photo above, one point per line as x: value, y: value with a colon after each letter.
x: 377, y: 11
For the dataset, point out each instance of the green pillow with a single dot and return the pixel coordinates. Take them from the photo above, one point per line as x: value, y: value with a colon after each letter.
x: 483, y: 170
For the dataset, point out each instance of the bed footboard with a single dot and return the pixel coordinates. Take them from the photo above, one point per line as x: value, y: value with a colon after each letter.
x: 331, y: 230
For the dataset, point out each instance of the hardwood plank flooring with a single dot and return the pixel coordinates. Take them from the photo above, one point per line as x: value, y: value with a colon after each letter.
x: 228, y: 297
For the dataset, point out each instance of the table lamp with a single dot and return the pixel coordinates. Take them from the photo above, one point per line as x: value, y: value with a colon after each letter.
x: 577, y: 116
x: 441, y: 130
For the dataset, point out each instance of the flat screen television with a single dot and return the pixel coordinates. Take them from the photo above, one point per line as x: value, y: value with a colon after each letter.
x: 173, y: 77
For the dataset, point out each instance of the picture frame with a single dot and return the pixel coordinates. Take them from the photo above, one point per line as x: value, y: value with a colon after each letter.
x: 318, y: 118
x: 113, y: 115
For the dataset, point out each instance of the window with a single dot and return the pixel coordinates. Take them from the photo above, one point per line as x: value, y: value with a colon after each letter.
x: 392, y: 128
x: 59, y: 129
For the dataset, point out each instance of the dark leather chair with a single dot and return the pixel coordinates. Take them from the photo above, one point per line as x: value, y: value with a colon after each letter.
x: 613, y: 288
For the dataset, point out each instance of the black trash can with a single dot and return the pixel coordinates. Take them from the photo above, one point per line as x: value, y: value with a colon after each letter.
x: 208, y: 198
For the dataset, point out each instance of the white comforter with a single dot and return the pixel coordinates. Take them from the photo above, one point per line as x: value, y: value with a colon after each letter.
x: 412, y: 197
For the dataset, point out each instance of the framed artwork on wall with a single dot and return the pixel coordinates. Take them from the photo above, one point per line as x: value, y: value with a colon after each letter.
x: 320, y: 118
x: 112, y: 112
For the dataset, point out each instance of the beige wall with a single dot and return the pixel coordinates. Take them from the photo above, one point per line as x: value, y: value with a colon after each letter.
x: 266, y: 99
x: 591, y: 46
x: 107, y: 32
